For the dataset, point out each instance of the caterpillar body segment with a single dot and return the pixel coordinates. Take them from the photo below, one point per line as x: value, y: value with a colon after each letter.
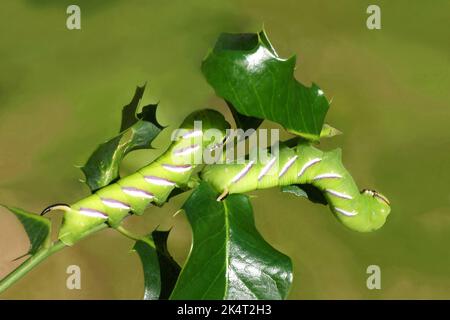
x: 150, y: 184
x: 304, y: 164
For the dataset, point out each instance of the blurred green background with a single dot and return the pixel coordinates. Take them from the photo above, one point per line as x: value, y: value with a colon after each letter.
x: 61, y: 93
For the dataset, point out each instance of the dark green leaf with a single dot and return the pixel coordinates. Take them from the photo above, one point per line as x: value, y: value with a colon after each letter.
x: 245, y: 70
x: 129, y: 111
x: 229, y: 259
x: 242, y: 121
x: 307, y: 191
x: 160, y: 270
x: 36, y: 227
x: 141, y: 129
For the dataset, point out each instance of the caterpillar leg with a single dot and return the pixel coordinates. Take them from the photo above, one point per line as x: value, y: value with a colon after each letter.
x: 223, y: 194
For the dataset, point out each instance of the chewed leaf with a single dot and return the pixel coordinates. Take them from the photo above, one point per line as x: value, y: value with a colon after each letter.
x: 139, y: 130
x: 36, y: 227
x: 229, y: 258
x: 245, y: 70
x: 160, y: 269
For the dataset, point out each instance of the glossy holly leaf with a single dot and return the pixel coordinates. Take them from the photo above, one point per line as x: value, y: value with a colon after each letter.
x: 138, y: 130
x: 36, y: 227
x: 160, y: 269
x: 245, y: 70
x: 229, y: 258
x: 242, y: 121
x: 306, y: 191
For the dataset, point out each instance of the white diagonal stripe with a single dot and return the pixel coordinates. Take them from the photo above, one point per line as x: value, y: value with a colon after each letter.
x: 92, y: 213
x: 266, y: 168
x: 287, y: 166
x: 193, y: 133
x: 178, y: 169
x: 346, y: 213
x: 135, y: 192
x: 243, y: 172
x: 339, y: 194
x: 115, y: 204
x: 159, y: 181
x: 328, y: 176
x: 307, y: 165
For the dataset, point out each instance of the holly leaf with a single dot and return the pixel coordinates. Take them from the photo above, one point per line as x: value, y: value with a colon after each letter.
x: 36, y: 227
x: 229, y: 258
x: 245, y: 70
x: 138, y: 130
x: 160, y: 269
x: 129, y: 111
x: 242, y: 121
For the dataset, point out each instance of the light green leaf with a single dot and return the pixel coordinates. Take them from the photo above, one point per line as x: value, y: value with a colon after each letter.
x: 36, y: 227
x: 245, y: 70
x: 229, y: 258
x: 138, y: 131
x: 160, y: 269
x: 329, y: 131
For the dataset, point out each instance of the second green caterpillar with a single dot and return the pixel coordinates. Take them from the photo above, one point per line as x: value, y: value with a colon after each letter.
x: 304, y: 164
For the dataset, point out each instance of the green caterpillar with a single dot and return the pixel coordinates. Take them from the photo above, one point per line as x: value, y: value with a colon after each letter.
x: 150, y: 184
x: 304, y: 164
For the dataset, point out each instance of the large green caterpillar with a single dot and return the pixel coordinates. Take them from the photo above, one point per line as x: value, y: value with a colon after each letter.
x: 150, y: 184
x: 304, y: 164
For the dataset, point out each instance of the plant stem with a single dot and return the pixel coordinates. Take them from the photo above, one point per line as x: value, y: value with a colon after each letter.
x: 29, y: 264
x: 36, y: 259
x: 127, y: 233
